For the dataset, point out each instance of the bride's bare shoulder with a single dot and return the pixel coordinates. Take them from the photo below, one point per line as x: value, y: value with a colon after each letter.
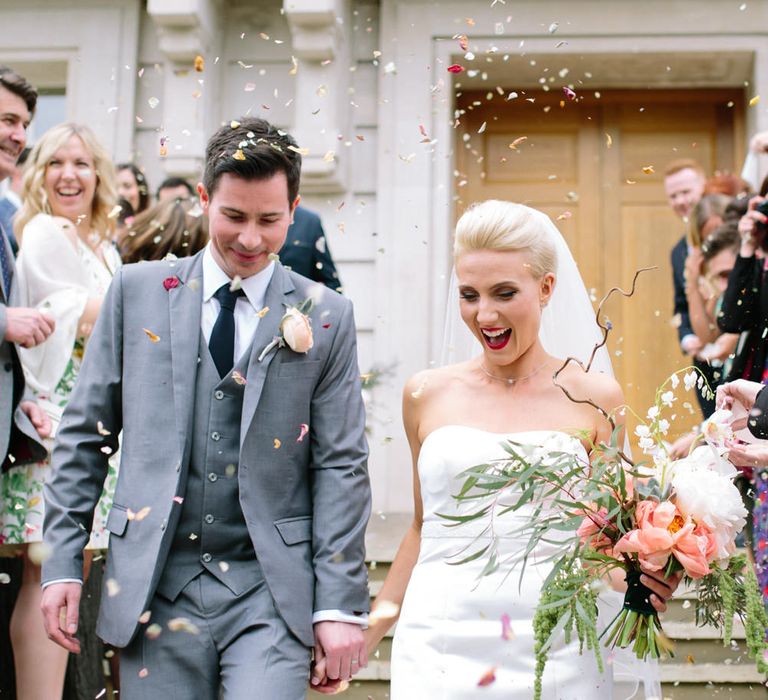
x: 430, y: 383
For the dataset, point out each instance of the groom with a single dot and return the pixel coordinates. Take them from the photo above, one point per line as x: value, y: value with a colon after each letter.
x: 242, y: 499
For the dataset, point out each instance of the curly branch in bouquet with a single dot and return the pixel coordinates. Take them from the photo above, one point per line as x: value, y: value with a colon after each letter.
x: 608, y: 512
x: 605, y: 327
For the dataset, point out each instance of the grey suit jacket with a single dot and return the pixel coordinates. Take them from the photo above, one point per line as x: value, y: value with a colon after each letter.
x: 306, y: 503
x: 17, y: 435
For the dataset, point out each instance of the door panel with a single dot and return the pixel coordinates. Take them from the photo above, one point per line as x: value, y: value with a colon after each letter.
x: 596, y: 168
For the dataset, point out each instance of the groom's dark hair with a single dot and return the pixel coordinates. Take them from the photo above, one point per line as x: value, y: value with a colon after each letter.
x: 252, y: 149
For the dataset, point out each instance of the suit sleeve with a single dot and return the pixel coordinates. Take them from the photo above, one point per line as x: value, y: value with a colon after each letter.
x: 325, y: 268
x: 340, y: 486
x: 3, y: 322
x: 677, y: 258
x: 81, y: 453
x: 758, y: 420
x: 741, y: 301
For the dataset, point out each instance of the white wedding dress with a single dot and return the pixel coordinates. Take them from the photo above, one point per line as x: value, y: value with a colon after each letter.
x: 449, y: 636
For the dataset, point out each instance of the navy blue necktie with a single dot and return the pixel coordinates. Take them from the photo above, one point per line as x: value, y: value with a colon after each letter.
x: 222, y: 340
x: 5, y: 265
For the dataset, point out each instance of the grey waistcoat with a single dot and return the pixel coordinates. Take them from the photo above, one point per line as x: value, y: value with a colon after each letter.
x: 211, y: 532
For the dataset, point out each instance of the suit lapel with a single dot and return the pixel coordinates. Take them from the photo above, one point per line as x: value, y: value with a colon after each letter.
x: 278, y: 295
x: 185, y: 309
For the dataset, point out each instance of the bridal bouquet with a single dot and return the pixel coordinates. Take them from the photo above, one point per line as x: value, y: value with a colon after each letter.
x: 609, y: 514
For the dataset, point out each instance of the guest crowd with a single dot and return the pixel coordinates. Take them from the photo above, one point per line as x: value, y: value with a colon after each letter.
x: 69, y: 218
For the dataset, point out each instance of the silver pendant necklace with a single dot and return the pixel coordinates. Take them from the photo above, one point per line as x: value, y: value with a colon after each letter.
x: 513, y: 380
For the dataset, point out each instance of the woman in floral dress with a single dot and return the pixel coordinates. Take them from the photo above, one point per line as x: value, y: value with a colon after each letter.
x: 65, y: 265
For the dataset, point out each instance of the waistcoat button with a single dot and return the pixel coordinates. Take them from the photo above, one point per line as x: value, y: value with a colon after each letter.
x: 206, y: 557
x: 219, y: 394
x: 212, y: 477
x: 215, y: 436
x: 209, y: 518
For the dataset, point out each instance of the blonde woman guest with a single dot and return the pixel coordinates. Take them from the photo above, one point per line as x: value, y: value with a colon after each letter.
x: 65, y: 265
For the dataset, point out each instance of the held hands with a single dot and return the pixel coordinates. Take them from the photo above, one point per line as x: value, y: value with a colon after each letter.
x: 38, y: 417
x: 61, y: 610
x: 27, y: 327
x: 340, y: 652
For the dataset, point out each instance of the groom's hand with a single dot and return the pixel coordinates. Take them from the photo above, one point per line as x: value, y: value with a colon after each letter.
x: 340, y: 652
x: 61, y: 610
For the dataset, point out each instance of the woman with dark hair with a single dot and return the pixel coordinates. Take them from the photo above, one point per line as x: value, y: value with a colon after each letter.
x: 176, y: 227
x: 132, y: 187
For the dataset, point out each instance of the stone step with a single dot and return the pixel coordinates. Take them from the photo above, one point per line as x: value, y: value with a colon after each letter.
x: 671, y: 673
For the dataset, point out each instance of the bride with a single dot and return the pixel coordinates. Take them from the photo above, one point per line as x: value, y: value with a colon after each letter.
x: 450, y: 638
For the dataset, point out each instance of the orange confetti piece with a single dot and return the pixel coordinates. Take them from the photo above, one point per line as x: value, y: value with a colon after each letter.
x: 513, y: 146
x: 277, y: 444
x: 648, y: 170
x: 239, y: 378
x: 488, y: 677
x: 154, y: 338
x: 564, y: 215
x: 263, y: 312
x: 463, y: 42
x: 199, y: 63
x: 238, y: 155
x: 755, y: 100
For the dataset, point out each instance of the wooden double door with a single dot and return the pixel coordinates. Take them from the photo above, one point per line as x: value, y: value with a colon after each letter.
x: 595, y: 165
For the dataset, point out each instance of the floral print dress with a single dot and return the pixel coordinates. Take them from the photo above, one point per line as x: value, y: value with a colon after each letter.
x: 57, y: 274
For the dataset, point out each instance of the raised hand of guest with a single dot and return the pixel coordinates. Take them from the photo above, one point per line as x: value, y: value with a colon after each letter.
x: 27, y: 327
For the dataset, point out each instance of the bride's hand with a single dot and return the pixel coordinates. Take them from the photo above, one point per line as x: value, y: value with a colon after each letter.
x: 663, y: 588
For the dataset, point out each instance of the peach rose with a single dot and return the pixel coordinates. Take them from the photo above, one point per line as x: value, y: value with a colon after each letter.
x: 297, y: 331
x: 663, y: 532
x: 591, y: 531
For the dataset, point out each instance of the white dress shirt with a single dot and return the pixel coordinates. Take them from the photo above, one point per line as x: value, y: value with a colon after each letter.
x: 246, y: 308
x: 246, y: 321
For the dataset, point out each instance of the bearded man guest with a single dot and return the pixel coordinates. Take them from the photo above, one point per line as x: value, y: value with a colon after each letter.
x: 240, y: 509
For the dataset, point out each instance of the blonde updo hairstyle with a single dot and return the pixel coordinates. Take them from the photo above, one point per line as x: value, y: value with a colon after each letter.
x: 33, y: 195
x: 497, y: 225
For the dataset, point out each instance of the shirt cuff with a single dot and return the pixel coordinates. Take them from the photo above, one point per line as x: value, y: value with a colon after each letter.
x: 341, y: 616
x: 61, y: 580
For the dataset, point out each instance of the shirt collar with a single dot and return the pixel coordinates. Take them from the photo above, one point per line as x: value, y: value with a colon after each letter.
x: 255, y: 286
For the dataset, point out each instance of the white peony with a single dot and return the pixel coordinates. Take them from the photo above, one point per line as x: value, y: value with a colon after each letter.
x: 712, y: 500
x: 705, y: 458
x: 717, y: 429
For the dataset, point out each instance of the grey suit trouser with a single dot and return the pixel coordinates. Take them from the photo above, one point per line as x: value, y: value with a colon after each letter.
x: 223, y: 646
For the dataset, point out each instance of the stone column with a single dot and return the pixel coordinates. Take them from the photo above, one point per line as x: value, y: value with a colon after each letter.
x: 188, y: 34
x: 321, y: 65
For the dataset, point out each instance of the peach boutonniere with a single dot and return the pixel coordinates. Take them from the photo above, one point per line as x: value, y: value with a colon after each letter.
x: 295, y: 330
x: 171, y: 283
